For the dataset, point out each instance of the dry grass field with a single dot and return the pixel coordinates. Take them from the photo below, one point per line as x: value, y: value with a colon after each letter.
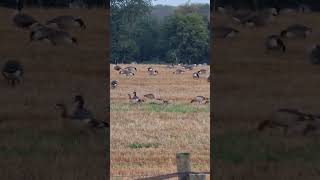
x: 34, y: 143
x: 167, y: 129
x: 250, y: 84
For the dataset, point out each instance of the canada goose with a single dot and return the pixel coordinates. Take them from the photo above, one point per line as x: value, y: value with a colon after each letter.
x: 114, y: 84
x: 40, y: 32
x: 116, y: 67
x: 202, y: 71
x: 296, y: 30
x: 61, y: 37
x: 131, y: 68
x: 274, y: 42
x: 153, y: 72
x: 126, y: 72
x: 242, y: 16
x: 150, y: 69
x: 224, y: 32
x: 135, y: 99
x: 285, y: 118
x: 178, y: 71
x: 23, y: 20
x: 149, y: 96
x: 170, y: 66
x: 200, y: 100
x: 66, y: 22
x: 55, y: 37
x: 315, y: 54
x: 188, y: 67
x: 13, y: 72
x: 260, y: 19
x: 195, y: 75
x: 81, y: 116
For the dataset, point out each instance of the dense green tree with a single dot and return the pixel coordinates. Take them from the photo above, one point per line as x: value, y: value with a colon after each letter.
x: 187, y: 37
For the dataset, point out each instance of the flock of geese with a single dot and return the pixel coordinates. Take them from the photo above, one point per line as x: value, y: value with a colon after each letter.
x: 56, y: 32
x: 134, y: 99
x: 273, y: 42
x: 291, y: 120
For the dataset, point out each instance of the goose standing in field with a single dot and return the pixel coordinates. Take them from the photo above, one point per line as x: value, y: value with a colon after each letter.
x: 286, y: 119
x: 261, y: 18
x: 202, y: 71
x: 114, y: 84
x: 134, y: 99
x: 153, y: 72
x: 23, y: 20
x: 61, y: 37
x: 13, y: 72
x: 81, y: 116
x: 150, y: 69
x: 131, y: 68
x: 149, y: 96
x: 126, y: 72
x: 274, y: 42
x: 116, y: 67
x: 195, y: 75
x: 66, y: 22
x: 170, y: 66
x: 296, y: 31
x: 224, y: 32
x: 178, y: 71
x: 200, y: 100
x: 315, y: 54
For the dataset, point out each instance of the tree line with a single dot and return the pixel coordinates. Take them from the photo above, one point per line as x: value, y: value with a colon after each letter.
x: 137, y: 35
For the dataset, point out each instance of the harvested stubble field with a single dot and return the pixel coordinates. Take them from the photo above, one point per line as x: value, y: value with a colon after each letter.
x: 167, y: 129
x: 34, y: 143
x: 250, y: 84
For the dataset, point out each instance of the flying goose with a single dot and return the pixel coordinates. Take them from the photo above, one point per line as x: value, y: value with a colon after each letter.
x: 81, y: 116
x: 274, y: 42
x: 200, y: 100
x: 13, y: 72
x: 296, y: 31
x: 66, y: 22
x: 224, y: 32
x: 114, y: 84
x: 315, y: 54
x: 286, y: 119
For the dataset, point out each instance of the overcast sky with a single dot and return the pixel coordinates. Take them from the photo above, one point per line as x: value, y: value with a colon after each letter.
x: 178, y: 2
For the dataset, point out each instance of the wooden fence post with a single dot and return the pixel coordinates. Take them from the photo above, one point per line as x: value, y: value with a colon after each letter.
x: 183, y: 164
